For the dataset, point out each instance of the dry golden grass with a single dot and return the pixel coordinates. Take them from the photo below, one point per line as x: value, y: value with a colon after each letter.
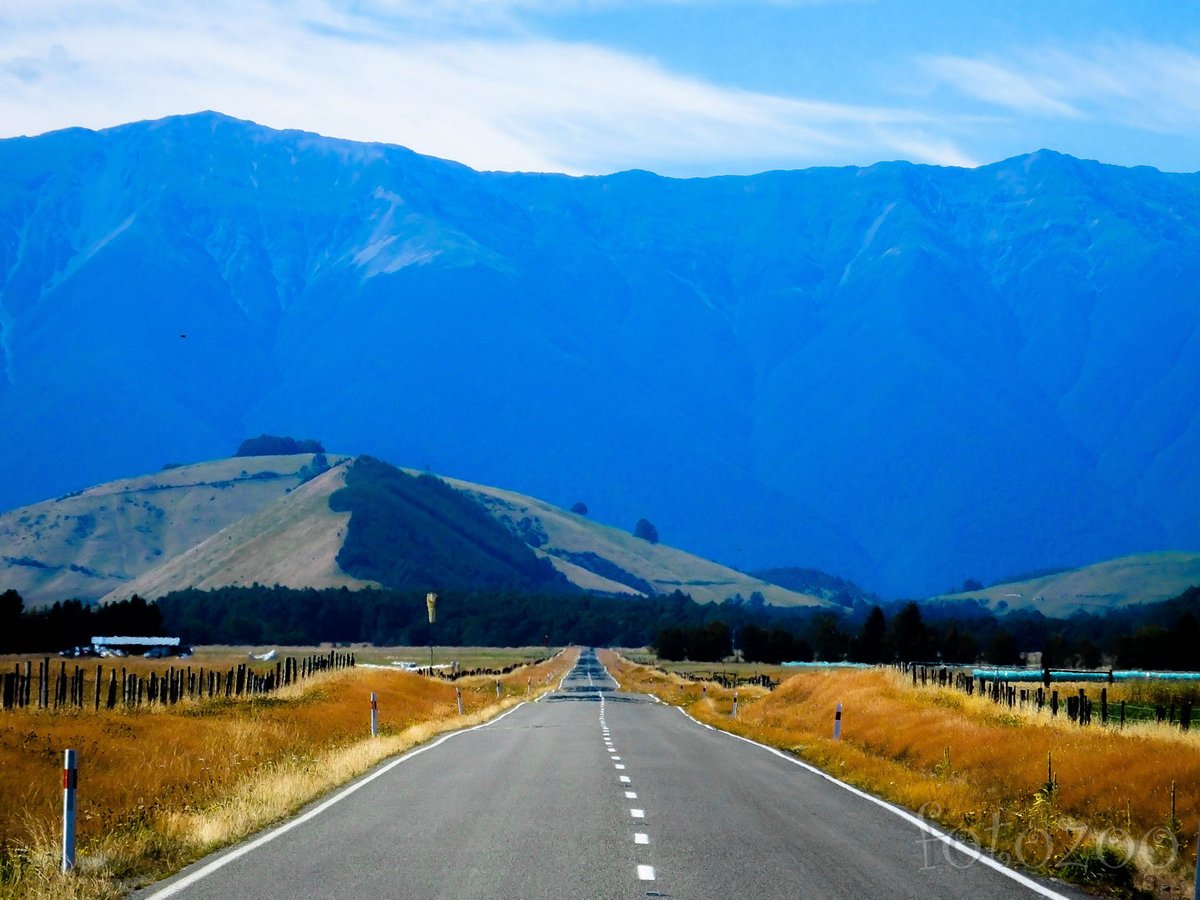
x: 161, y: 787
x: 980, y: 769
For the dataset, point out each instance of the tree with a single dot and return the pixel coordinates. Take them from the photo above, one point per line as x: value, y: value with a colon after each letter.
x: 910, y: 637
x: 1002, y: 651
x: 645, y: 530
x: 831, y: 641
x: 871, y: 644
x: 959, y: 646
x: 711, y: 643
x: 11, y: 608
x: 971, y: 585
x: 579, y: 508
x: 274, y: 445
x: 670, y: 644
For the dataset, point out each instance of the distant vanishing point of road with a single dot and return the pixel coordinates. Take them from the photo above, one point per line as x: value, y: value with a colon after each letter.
x: 593, y: 793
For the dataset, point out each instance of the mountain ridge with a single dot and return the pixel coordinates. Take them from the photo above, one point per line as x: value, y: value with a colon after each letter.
x: 905, y: 374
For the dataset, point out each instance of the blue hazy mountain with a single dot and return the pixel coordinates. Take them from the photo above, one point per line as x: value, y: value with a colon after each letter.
x: 907, y: 375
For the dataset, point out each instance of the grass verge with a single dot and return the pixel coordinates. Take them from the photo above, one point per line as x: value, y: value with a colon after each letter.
x: 1088, y: 805
x: 159, y: 788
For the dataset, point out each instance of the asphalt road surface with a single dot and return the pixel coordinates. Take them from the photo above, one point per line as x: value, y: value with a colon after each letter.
x: 591, y: 793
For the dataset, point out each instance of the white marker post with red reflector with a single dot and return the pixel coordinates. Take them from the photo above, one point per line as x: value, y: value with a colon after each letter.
x: 70, y: 784
x: 374, y: 716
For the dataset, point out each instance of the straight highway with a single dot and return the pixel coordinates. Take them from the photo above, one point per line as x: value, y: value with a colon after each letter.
x: 593, y: 793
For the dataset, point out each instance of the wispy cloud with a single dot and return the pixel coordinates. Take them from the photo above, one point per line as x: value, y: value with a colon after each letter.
x: 1131, y: 83
x: 395, y: 70
x: 1002, y: 86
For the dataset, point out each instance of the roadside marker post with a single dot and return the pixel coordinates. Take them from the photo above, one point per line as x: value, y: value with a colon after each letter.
x: 458, y: 695
x: 735, y: 704
x: 374, y: 715
x: 837, y: 723
x: 529, y: 686
x: 70, y: 785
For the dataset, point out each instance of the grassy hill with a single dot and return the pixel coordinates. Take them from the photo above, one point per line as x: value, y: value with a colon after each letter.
x: 93, y: 542
x: 293, y: 541
x: 1116, y: 583
x: 266, y: 520
x: 600, y: 557
x: 416, y: 531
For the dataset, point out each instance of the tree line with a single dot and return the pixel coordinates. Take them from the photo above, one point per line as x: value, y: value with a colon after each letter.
x: 1162, y: 635
x: 71, y: 623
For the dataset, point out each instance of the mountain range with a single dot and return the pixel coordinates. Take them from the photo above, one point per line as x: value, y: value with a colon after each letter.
x: 907, y: 375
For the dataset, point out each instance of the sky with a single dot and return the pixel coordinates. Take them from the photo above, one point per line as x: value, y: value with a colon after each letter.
x: 679, y: 87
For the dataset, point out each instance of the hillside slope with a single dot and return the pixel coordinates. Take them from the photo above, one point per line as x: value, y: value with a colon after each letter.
x: 1115, y: 583
x: 252, y: 520
x: 293, y: 541
x: 90, y: 543
x: 599, y: 557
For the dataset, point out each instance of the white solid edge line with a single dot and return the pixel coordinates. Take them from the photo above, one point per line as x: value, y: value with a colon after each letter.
x: 238, y: 852
x: 972, y: 852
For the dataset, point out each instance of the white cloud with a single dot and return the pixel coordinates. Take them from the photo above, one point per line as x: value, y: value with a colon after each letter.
x: 1131, y: 83
x: 1003, y: 86
x: 494, y: 98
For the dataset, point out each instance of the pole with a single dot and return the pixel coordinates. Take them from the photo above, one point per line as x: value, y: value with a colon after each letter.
x: 497, y: 688
x: 735, y: 704
x: 431, y: 607
x: 70, y: 784
x: 458, y: 695
x: 374, y: 716
x: 837, y: 723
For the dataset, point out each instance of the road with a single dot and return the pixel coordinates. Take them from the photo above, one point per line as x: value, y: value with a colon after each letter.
x: 592, y: 793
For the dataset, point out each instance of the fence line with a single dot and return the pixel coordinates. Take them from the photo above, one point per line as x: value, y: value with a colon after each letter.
x: 69, y: 690
x: 1079, y: 707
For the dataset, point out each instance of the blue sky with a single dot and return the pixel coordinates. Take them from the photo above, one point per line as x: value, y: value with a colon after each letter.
x: 682, y: 87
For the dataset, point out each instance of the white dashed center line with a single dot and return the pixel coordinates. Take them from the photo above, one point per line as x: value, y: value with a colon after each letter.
x: 644, y: 872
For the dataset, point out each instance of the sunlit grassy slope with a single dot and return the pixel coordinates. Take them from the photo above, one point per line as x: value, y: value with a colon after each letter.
x: 292, y: 541
x: 568, y: 539
x: 87, y: 544
x: 1143, y: 578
